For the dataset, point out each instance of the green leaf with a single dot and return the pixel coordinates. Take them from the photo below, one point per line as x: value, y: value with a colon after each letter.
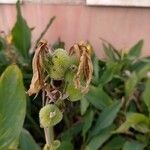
x: 143, y: 71
x: 111, y: 70
x: 66, y: 145
x: 110, y: 52
x: 2, y: 44
x: 12, y: 105
x: 130, y: 85
x: 106, y: 118
x: 97, y: 141
x: 84, y: 104
x: 115, y: 143
x: 98, y: 97
x: 135, y: 51
x: 137, y: 121
x: 88, y: 119
x: 21, y: 34
x: 146, y: 94
x: 96, y: 68
x: 26, y: 142
x: 68, y: 134
x: 133, y: 145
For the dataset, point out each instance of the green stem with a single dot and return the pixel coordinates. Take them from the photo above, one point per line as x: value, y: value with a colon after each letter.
x: 49, y: 136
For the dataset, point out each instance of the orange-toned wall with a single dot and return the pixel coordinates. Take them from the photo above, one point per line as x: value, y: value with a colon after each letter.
x: 120, y: 26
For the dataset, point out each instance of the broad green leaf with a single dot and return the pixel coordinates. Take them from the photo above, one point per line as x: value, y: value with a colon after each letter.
x: 115, y: 143
x: 130, y: 85
x: 143, y: 72
x: 84, y: 104
x: 97, y: 141
x: 133, y: 145
x: 68, y: 134
x: 137, y: 121
x: 12, y: 105
x: 26, y: 142
x: 106, y: 118
x: 21, y: 34
x: 88, y: 119
x: 146, y: 94
x: 98, y: 97
x: 135, y: 51
x: 66, y: 145
x: 111, y: 70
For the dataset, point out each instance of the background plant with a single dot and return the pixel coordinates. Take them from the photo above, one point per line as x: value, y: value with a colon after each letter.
x: 113, y: 116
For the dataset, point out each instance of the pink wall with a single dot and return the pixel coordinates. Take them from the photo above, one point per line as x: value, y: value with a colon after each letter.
x: 120, y: 26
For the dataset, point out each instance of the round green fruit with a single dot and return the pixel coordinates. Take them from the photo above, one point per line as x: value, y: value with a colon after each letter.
x: 50, y: 115
x: 60, y: 64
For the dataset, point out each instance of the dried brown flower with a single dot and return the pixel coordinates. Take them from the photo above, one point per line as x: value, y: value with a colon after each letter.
x: 38, y: 72
x: 85, y: 67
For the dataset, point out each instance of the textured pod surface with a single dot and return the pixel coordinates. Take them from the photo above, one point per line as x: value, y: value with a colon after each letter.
x: 50, y: 115
x: 60, y: 64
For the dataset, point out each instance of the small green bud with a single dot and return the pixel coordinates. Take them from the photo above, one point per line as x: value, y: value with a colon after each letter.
x: 50, y: 115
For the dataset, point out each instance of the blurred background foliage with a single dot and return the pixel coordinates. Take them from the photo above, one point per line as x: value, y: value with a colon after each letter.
x: 114, y: 115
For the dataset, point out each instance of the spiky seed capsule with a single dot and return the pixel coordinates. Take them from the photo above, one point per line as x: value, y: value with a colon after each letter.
x: 60, y: 64
x: 50, y: 115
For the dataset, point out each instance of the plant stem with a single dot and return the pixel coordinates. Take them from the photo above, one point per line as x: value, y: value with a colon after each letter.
x: 49, y: 135
x: 45, y: 30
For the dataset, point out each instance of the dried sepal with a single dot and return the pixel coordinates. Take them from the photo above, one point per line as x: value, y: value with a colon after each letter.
x: 82, y: 51
x: 37, y: 81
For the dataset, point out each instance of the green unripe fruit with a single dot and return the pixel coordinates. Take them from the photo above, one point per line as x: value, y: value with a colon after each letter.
x: 74, y: 94
x: 60, y: 64
x: 57, y: 72
x: 50, y: 115
x: 61, y: 58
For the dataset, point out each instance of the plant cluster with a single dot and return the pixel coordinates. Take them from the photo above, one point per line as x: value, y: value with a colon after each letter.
x: 76, y: 100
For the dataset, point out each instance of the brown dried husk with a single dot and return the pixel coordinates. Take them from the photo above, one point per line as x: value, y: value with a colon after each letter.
x: 37, y: 81
x: 85, y: 67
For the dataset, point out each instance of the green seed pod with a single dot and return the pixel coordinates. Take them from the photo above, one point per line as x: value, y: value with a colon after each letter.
x: 57, y: 72
x: 50, y: 115
x: 74, y: 94
x: 61, y: 62
x: 61, y: 57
